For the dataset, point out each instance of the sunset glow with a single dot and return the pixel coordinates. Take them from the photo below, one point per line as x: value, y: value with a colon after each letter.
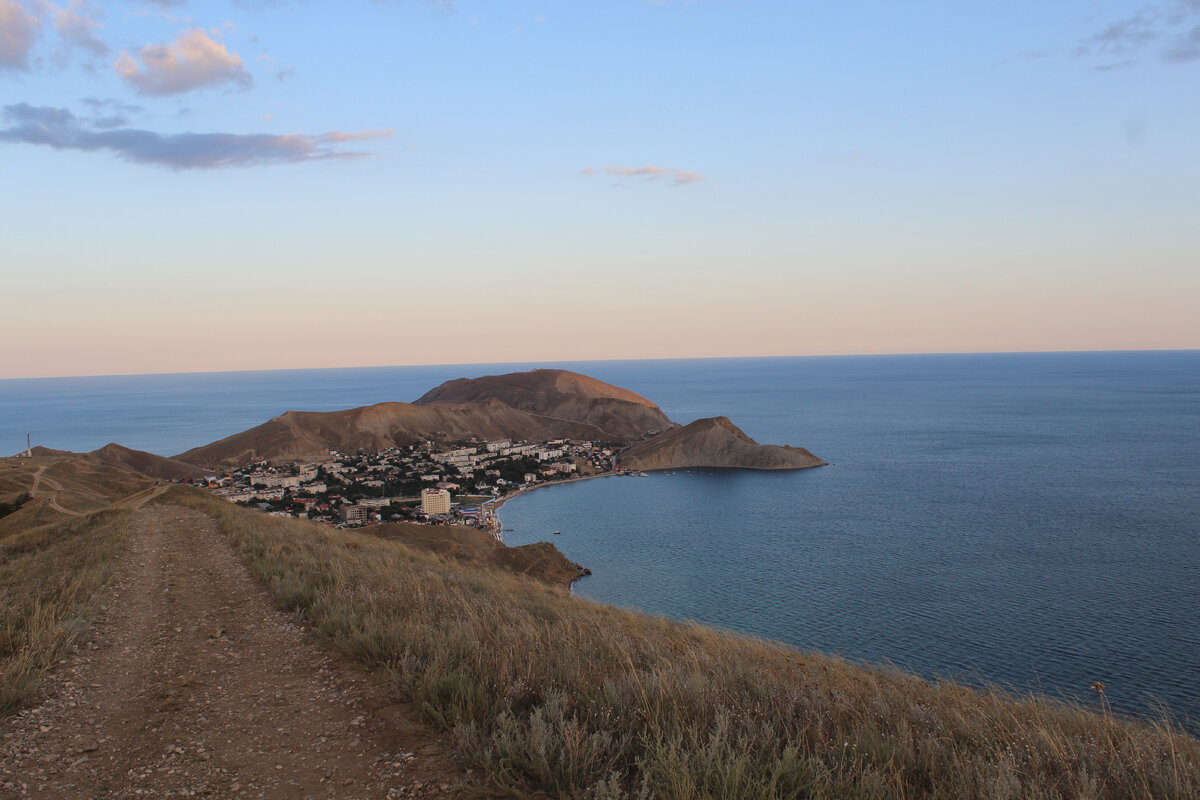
x: 228, y: 186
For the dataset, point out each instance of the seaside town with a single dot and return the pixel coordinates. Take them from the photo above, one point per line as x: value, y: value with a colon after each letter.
x: 459, y: 483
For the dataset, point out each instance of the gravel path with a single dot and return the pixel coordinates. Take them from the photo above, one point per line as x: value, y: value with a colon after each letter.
x: 194, y: 685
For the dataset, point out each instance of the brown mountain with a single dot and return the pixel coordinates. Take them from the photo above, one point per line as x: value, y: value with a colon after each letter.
x: 533, y: 406
x: 614, y: 414
x: 713, y: 442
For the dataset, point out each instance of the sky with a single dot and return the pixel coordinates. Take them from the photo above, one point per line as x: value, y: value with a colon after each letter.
x: 194, y: 186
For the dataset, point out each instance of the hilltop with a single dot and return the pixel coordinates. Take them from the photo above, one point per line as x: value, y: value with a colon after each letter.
x: 614, y: 414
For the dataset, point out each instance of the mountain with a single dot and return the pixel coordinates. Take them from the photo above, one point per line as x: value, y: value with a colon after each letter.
x: 531, y: 406
x: 713, y: 442
x: 534, y: 406
x: 614, y: 413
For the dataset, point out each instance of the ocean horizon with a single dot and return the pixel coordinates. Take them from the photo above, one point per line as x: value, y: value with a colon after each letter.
x: 1022, y: 519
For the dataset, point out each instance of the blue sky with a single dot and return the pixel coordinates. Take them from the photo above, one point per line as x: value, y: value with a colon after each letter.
x: 403, y: 182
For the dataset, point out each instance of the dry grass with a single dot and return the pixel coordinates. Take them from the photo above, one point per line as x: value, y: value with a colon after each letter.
x: 557, y: 696
x: 49, y: 579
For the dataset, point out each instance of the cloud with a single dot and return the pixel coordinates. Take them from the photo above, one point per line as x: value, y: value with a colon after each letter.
x: 77, y: 25
x: 110, y: 112
x: 62, y: 130
x: 1184, y: 48
x: 192, y: 61
x: 1119, y: 41
x: 1126, y: 36
x: 18, y: 31
x: 677, y: 177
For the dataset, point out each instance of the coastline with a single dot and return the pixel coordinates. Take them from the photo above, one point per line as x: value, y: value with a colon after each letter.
x: 495, y: 505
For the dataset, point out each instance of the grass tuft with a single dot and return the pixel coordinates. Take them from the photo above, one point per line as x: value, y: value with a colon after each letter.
x: 50, y: 577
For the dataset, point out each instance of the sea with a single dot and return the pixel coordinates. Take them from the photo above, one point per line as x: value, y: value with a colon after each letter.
x: 1027, y: 521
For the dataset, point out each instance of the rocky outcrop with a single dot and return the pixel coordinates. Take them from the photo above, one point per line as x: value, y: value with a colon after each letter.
x: 713, y: 442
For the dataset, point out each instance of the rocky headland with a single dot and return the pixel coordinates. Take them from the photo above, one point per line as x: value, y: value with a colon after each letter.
x: 713, y: 442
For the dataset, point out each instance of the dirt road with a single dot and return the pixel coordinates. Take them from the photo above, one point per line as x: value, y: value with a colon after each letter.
x: 194, y: 685
x: 39, y: 478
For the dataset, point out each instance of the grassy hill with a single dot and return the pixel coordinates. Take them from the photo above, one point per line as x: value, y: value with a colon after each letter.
x: 557, y: 696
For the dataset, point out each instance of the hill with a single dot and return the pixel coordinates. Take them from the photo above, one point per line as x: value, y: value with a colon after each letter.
x: 546, y: 694
x: 61, y: 485
x: 555, y: 696
x: 531, y: 406
x: 713, y: 442
x: 121, y: 457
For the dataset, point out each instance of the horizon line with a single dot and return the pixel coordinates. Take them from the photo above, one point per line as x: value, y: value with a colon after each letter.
x: 601, y: 361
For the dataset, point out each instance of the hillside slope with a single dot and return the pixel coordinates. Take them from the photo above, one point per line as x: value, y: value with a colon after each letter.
x: 582, y: 696
x: 298, y: 435
x: 713, y: 442
x: 61, y: 485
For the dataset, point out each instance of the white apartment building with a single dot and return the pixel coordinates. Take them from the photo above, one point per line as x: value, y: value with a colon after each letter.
x: 435, y: 501
x: 272, y: 480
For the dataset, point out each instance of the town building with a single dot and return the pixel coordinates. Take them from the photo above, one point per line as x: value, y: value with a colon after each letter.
x: 356, y: 514
x: 435, y: 501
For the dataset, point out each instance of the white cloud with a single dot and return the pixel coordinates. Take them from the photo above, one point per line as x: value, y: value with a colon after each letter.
x: 77, y: 25
x: 18, y: 31
x: 677, y: 177
x: 193, y: 61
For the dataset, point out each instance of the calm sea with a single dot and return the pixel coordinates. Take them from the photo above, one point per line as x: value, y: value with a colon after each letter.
x: 1031, y: 520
